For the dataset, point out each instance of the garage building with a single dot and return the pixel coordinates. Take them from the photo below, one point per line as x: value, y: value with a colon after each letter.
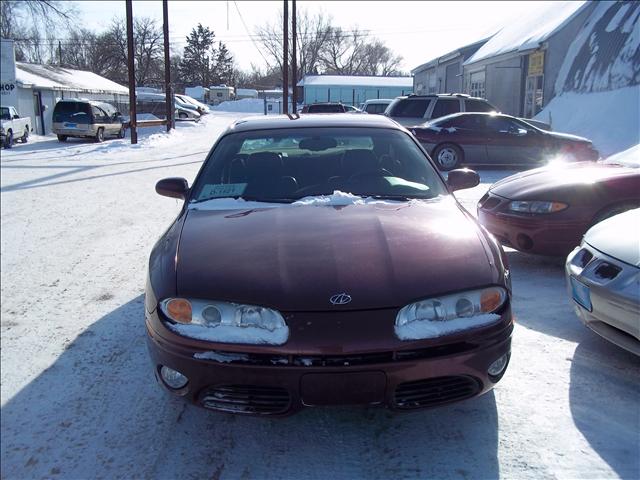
x: 352, y: 89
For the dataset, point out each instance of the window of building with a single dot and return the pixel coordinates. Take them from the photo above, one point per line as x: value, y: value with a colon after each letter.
x: 477, y: 84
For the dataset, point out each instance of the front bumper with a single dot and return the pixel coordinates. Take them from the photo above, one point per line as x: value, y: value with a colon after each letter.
x: 613, y: 294
x: 228, y: 378
x: 539, y: 234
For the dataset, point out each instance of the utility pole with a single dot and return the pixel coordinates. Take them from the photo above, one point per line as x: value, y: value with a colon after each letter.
x: 59, y: 53
x: 132, y: 77
x: 285, y: 60
x: 294, y: 64
x: 167, y: 65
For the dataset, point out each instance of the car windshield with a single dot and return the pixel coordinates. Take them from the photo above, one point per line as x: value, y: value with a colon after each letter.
x: 326, y: 108
x: 75, y: 112
x: 286, y: 165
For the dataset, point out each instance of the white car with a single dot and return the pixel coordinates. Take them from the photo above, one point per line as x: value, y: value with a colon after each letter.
x: 202, y: 108
x: 376, y: 106
x: 603, y: 278
x: 13, y: 127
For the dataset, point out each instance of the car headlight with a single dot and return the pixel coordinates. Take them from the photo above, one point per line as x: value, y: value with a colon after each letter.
x: 526, y: 206
x: 435, y: 317
x: 225, y: 322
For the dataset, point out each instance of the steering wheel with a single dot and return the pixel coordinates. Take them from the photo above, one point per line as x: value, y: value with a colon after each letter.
x: 379, y: 172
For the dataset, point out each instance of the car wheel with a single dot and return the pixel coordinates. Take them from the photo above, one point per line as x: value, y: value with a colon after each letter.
x: 8, y: 140
x: 613, y: 210
x: 122, y: 132
x: 25, y: 137
x: 447, y: 156
x: 62, y: 138
x: 100, y: 135
x: 183, y: 116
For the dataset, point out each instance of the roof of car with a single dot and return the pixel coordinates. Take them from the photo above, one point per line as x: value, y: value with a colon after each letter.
x: 445, y: 95
x: 308, y: 121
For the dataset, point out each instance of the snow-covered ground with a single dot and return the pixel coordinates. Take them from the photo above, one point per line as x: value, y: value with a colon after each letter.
x: 79, y: 399
x: 611, y: 119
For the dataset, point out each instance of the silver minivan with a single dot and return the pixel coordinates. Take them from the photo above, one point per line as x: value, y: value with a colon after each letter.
x: 88, y: 119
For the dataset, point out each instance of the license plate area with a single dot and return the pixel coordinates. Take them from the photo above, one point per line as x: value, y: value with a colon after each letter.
x: 70, y: 125
x: 581, y: 293
x: 343, y: 388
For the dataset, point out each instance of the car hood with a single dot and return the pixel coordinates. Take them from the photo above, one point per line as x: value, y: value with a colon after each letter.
x: 562, y: 180
x: 567, y: 136
x: 611, y: 236
x: 294, y: 258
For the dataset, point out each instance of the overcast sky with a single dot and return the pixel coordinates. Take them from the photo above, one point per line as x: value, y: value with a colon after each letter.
x: 418, y: 31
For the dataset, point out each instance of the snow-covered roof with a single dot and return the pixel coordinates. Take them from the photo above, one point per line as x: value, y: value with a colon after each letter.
x: 246, y: 91
x: 450, y: 55
x: 356, y: 81
x: 50, y: 76
x: 529, y: 33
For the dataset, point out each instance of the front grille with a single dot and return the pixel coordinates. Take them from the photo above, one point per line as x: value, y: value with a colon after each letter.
x: 246, y: 399
x: 435, y: 391
x: 334, y: 360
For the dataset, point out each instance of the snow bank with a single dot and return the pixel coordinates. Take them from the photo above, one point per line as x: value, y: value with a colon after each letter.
x: 610, y: 119
x: 246, y: 105
x: 630, y: 157
x: 525, y: 35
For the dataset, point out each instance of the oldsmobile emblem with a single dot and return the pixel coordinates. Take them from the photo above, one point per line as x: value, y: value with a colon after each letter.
x: 340, y: 299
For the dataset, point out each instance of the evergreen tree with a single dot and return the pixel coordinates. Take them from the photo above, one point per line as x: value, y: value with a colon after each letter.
x: 224, y: 66
x: 198, y: 58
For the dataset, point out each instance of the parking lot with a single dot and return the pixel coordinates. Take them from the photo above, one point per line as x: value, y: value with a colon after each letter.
x: 79, y: 399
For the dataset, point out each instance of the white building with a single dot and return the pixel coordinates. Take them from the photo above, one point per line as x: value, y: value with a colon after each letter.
x: 35, y: 89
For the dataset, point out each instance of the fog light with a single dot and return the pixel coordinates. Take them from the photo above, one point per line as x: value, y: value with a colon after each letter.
x: 497, y: 368
x: 172, y: 378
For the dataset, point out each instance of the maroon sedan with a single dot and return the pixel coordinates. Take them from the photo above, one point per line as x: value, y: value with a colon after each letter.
x: 497, y: 139
x: 548, y: 210
x: 323, y: 260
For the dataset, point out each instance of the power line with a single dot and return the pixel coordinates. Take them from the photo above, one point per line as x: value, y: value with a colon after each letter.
x: 247, y: 30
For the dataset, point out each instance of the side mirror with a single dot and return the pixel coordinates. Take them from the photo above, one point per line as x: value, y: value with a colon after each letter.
x: 175, y: 187
x: 462, y: 178
x: 15, y: 117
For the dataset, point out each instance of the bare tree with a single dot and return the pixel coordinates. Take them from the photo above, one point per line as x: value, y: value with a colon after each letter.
x: 24, y: 21
x: 324, y: 48
x: 313, y: 32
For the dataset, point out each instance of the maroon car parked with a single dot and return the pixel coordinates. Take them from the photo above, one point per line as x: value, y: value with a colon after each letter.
x: 497, y: 139
x: 322, y: 260
x: 548, y: 210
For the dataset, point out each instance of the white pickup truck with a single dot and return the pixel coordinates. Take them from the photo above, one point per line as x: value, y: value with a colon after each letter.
x: 12, y: 127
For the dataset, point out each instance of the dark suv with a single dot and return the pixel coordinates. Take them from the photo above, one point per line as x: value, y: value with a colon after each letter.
x: 326, y: 107
x: 416, y: 109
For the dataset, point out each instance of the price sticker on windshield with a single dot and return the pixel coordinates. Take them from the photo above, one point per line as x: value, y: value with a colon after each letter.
x: 219, y: 190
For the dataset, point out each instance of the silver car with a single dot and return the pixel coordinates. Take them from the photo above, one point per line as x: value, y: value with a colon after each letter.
x: 603, y: 278
x: 87, y: 118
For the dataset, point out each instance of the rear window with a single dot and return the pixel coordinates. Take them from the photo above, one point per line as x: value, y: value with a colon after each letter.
x: 478, y: 106
x: 73, y: 112
x: 376, y: 108
x: 326, y: 108
x: 409, y: 107
x: 445, y: 107
x: 286, y: 165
